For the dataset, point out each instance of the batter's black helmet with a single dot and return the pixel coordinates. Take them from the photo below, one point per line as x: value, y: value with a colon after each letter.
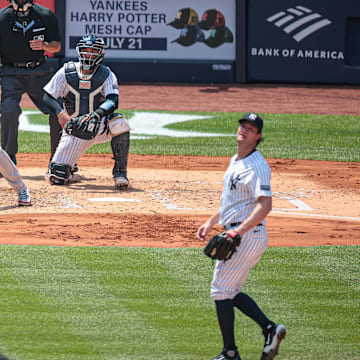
x: 89, y: 60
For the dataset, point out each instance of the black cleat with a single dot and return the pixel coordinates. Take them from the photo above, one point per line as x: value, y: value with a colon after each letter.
x: 274, y: 334
x: 228, y: 355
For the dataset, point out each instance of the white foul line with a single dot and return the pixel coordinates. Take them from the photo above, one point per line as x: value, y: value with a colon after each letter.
x: 317, y: 215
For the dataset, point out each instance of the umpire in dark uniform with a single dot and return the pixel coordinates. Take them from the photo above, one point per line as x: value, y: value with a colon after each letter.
x: 26, y: 31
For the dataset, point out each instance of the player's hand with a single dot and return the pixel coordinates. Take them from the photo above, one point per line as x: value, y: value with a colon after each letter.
x: 36, y: 45
x: 203, y: 231
x: 63, y: 118
x: 86, y: 118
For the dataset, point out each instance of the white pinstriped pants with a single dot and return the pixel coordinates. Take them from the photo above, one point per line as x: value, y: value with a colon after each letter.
x: 230, y: 276
x: 71, y: 148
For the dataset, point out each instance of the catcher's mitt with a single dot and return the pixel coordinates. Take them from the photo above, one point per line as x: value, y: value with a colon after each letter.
x: 222, y: 246
x: 84, y: 127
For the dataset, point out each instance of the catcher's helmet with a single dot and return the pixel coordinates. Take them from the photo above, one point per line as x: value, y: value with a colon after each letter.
x: 90, y: 59
x: 21, y: 7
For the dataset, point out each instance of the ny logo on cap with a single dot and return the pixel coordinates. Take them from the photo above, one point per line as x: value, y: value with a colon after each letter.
x: 252, y: 116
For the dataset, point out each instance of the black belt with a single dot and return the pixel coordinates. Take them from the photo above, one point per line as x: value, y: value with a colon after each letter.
x: 229, y: 226
x: 30, y: 64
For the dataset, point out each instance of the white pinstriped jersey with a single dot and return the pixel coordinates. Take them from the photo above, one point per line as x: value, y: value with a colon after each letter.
x: 58, y: 86
x: 244, y: 182
x: 71, y: 148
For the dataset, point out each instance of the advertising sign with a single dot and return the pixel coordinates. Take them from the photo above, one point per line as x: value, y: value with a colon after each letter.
x: 298, y: 40
x: 155, y: 29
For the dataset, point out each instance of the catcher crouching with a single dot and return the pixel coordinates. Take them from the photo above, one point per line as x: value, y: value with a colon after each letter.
x: 88, y: 92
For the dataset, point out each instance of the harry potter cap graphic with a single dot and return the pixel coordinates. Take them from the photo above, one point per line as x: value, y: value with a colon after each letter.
x: 212, y: 18
x: 190, y: 35
x: 186, y: 16
x: 218, y: 36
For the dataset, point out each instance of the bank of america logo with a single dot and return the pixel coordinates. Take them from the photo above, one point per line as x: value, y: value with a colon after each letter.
x: 299, y: 22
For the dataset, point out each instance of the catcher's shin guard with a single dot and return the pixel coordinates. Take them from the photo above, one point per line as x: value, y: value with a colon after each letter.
x: 120, y: 145
x: 58, y: 174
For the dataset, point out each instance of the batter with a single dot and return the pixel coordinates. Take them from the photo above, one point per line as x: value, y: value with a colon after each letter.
x: 10, y: 172
x: 246, y: 199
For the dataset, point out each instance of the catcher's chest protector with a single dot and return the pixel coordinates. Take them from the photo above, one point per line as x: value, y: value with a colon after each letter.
x: 84, y: 95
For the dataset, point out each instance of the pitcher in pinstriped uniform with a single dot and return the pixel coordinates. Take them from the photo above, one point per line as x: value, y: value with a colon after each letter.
x: 245, y: 202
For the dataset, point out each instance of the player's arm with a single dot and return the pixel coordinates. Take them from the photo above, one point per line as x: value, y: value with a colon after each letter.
x: 55, y: 107
x: 205, y: 228
x: 54, y: 89
x: 108, y: 106
x: 262, y: 208
x: 110, y: 90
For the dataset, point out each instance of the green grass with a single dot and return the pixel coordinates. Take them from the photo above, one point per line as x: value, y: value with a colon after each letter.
x: 135, y: 303
x: 298, y: 136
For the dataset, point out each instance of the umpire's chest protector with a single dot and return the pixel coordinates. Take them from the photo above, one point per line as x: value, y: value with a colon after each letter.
x: 84, y: 93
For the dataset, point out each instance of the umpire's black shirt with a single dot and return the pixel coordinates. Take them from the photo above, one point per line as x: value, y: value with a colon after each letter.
x: 16, y: 32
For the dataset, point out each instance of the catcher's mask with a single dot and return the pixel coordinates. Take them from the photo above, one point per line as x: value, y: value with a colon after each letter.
x: 91, y: 51
x: 21, y: 7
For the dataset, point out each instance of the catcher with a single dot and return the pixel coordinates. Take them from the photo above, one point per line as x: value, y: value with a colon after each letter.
x: 89, y: 92
x: 246, y: 199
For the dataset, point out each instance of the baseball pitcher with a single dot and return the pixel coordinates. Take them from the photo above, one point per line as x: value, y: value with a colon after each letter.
x: 89, y: 92
x: 246, y: 199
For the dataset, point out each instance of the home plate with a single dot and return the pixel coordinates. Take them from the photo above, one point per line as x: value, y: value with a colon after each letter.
x: 114, y: 199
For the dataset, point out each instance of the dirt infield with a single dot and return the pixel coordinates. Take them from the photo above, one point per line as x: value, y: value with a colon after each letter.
x: 315, y: 202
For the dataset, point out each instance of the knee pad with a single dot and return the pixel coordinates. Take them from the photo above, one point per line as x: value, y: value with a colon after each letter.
x: 58, y: 174
x: 117, y: 124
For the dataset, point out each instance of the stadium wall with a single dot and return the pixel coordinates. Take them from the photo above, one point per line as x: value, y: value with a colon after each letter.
x: 208, y: 41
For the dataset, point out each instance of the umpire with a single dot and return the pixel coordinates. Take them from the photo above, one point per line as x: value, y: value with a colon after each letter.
x: 26, y: 31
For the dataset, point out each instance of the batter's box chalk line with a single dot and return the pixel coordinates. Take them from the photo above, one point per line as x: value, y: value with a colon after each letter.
x: 294, y: 200
x: 165, y: 202
x: 68, y: 202
x: 113, y: 199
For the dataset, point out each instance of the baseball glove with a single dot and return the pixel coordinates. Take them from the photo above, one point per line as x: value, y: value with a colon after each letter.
x: 84, y: 127
x: 222, y: 246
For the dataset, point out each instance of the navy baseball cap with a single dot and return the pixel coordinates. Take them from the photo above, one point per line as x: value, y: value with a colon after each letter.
x: 254, y: 119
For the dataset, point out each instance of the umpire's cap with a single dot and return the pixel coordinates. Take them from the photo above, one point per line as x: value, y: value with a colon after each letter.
x: 253, y: 118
